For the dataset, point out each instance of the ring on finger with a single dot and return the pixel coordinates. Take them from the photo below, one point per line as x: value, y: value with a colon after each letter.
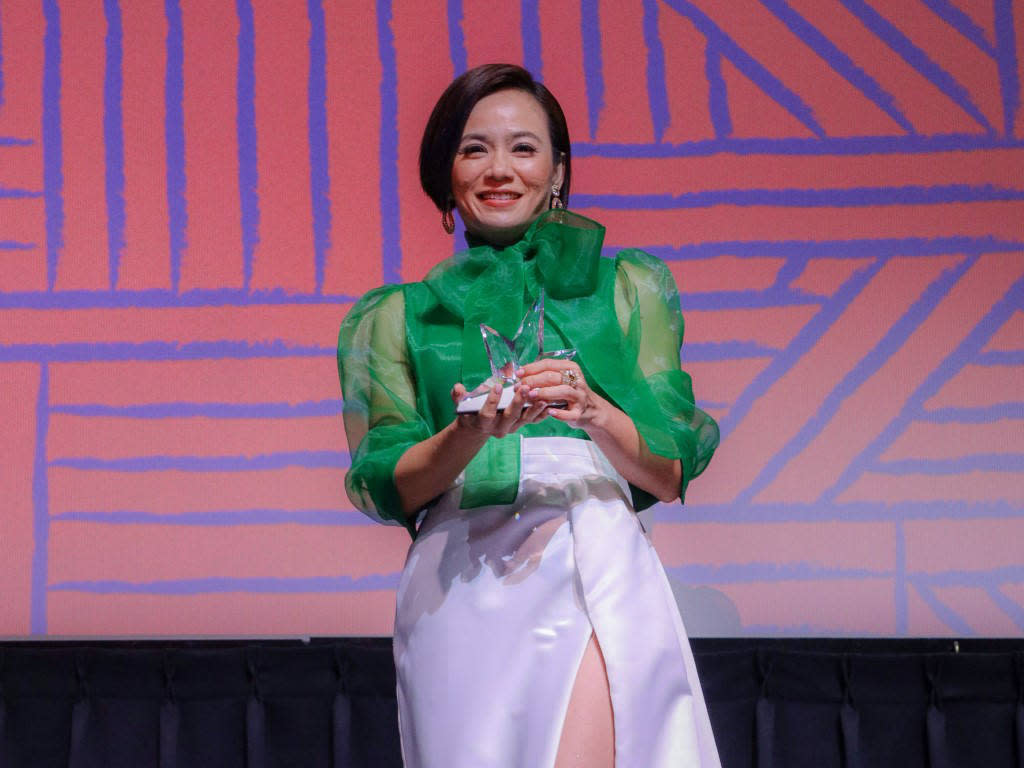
x: 570, y: 377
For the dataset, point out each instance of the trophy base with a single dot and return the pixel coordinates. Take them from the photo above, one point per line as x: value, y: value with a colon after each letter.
x: 474, y: 403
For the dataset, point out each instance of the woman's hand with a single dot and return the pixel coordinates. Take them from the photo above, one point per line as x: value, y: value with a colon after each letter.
x: 561, y: 381
x: 429, y: 467
x: 489, y: 421
x: 551, y: 381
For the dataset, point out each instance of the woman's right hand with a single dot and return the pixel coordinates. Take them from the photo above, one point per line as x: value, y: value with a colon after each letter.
x: 429, y: 467
x: 491, y: 422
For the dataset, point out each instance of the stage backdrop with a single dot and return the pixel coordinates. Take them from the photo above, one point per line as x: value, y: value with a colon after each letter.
x: 193, y: 192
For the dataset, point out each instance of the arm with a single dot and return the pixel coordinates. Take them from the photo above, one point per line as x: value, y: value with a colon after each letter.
x: 428, y: 468
x: 380, y: 414
x: 650, y: 429
x: 398, y: 464
x: 609, y: 427
x: 617, y: 436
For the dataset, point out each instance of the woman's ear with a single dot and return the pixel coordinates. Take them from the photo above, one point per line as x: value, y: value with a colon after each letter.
x: 558, y: 175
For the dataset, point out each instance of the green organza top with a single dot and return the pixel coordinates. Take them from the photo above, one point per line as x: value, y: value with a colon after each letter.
x: 402, y: 347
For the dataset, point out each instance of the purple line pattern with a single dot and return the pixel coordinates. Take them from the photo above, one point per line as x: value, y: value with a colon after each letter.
x: 838, y: 190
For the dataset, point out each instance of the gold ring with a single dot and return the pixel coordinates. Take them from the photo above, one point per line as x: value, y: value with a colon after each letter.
x: 569, y: 377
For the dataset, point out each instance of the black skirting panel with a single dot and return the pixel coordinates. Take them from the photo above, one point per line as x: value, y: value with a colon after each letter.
x: 331, y: 704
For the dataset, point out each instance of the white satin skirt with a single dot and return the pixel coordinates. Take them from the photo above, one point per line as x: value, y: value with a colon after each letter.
x: 496, y: 606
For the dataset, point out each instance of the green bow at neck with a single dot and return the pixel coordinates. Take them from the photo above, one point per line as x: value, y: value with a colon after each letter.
x: 560, y: 252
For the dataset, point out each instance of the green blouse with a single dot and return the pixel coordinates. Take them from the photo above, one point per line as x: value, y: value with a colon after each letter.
x: 402, y: 347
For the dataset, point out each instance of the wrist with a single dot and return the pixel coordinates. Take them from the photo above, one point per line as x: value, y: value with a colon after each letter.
x: 463, y: 436
x: 597, y: 416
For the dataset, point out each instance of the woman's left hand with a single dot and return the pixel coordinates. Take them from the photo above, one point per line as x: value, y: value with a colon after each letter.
x: 555, y: 381
x: 551, y: 381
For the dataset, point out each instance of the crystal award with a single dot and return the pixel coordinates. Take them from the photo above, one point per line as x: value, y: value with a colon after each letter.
x: 506, y: 356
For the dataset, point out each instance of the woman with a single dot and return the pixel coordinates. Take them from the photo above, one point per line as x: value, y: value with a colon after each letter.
x: 535, y: 625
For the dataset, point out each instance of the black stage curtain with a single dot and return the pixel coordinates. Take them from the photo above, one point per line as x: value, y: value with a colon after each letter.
x: 331, y: 703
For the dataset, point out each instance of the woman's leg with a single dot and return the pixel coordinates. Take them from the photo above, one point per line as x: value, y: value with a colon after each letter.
x: 588, y: 735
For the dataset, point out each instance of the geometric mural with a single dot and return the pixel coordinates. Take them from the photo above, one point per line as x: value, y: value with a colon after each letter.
x: 193, y: 193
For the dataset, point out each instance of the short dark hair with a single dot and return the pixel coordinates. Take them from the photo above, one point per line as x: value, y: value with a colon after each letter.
x: 444, y: 129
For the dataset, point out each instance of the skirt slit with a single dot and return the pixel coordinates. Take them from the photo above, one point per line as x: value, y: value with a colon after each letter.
x: 590, y: 714
x: 496, y: 608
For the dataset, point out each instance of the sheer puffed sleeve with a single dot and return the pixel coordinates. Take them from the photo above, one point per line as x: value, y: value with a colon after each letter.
x: 381, y: 419
x: 647, y: 307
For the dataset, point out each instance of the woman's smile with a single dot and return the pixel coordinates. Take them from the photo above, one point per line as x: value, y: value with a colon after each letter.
x: 499, y: 199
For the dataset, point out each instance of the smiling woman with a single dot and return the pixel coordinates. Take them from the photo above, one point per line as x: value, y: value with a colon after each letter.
x: 535, y: 625
x: 505, y: 171
x: 449, y: 127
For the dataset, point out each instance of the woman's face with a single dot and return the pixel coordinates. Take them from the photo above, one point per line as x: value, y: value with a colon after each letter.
x: 504, y: 167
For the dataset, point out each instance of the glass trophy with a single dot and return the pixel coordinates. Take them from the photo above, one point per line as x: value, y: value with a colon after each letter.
x: 506, y: 356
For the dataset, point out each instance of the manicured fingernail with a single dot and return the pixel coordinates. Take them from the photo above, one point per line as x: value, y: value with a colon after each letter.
x: 533, y: 393
x: 519, y: 371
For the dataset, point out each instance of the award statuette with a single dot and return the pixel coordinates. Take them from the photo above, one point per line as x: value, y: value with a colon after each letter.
x: 506, y: 356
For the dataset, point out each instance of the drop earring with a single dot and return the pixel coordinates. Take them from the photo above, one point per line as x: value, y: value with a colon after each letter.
x: 448, y: 219
x: 556, y: 201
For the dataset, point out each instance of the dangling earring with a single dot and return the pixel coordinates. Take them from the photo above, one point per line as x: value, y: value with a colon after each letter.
x: 556, y: 201
x: 448, y: 219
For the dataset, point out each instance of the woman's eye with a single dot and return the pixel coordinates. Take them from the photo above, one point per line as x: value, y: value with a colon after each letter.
x: 473, y: 149
x: 524, y: 149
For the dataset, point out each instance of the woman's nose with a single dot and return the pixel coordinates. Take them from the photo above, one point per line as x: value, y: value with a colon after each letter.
x: 500, y: 167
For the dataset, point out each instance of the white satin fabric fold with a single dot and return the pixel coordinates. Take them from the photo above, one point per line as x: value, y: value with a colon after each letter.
x: 495, y: 609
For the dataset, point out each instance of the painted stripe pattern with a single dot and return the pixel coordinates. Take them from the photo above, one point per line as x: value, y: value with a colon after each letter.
x: 193, y: 193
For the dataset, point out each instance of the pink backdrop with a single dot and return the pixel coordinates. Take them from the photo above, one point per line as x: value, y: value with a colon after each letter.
x: 192, y: 193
